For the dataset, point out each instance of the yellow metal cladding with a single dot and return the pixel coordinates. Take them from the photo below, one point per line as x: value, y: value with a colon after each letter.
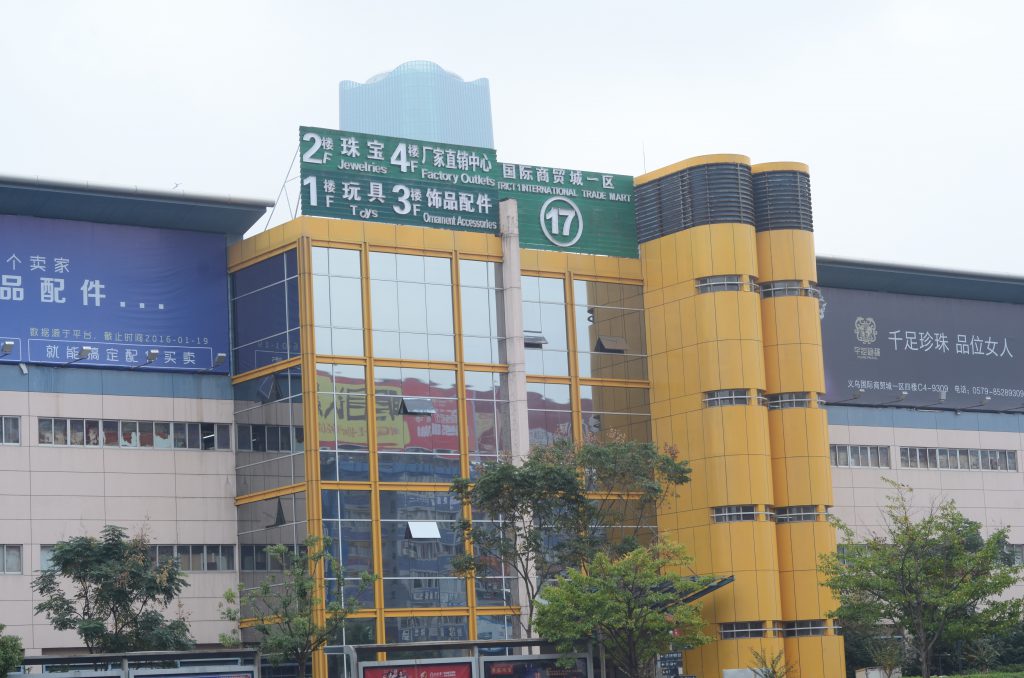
x: 799, y: 440
x: 708, y: 342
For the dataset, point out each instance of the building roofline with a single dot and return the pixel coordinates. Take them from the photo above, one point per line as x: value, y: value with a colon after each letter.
x: 128, y: 205
x: 132, y: 191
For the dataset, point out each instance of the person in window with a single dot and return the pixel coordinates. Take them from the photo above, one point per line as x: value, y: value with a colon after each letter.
x: 161, y: 435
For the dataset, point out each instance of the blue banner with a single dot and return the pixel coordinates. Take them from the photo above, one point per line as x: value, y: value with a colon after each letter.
x: 112, y: 296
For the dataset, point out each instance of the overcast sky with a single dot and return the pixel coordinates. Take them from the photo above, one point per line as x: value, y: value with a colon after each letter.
x: 909, y: 113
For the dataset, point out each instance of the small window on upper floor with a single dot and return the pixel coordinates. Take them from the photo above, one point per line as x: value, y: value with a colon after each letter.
x: 789, y: 288
x: 727, y: 283
x: 10, y: 559
x: 735, y: 513
x: 733, y: 396
x: 10, y: 430
x: 803, y: 627
x: 781, y: 401
x: 860, y: 456
x: 755, y: 629
x: 798, y: 514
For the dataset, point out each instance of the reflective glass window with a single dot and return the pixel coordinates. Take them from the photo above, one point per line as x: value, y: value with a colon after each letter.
x: 483, y: 326
x: 544, y: 316
x: 417, y: 447
x: 549, y: 412
x: 343, y: 422
x: 417, y: 571
x: 346, y: 516
x: 268, y: 414
x: 488, y: 422
x: 411, y: 306
x: 497, y: 627
x: 610, y: 332
x: 265, y: 312
x: 616, y: 410
x: 337, y: 301
x: 423, y: 629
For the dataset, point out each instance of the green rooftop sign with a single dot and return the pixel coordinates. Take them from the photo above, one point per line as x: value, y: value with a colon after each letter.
x: 572, y: 210
x: 347, y: 175
x: 368, y: 177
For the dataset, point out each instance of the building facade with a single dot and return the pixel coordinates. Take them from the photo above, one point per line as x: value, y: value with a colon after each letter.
x: 419, y: 100
x: 147, y: 444
x: 371, y: 363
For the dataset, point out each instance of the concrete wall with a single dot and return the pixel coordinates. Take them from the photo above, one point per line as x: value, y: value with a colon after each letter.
x: 993, y: 498
x: 50, y: 493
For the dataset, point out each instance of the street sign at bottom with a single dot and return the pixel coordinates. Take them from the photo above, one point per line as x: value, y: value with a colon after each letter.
x: 670, y: 664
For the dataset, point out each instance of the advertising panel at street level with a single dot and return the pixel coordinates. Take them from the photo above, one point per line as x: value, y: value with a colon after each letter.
x: 419, y: 670
x: 132, y: 296
x: 918, y: 351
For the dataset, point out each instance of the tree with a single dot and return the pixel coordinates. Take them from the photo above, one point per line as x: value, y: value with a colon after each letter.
x: 561, y: 506
x: 772, y: 666
x: 933, y: 580
x: 633, y: 607
x: 286, y: 611
x: 11, y: 652
x: 110, y: 592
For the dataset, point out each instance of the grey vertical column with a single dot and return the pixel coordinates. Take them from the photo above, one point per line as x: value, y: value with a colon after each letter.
x: 515, y: 350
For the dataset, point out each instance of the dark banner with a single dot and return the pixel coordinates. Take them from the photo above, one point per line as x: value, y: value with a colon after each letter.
x: 534, y: 667
x: 922, y: 351
x: 120, y: 291
x: 399, y: 670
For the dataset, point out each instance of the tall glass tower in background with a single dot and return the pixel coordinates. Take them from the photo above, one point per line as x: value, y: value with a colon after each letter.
x: 419, y: 100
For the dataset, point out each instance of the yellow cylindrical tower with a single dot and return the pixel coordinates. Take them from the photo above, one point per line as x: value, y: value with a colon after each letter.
x: 704, y: 336
x: 795, y: 380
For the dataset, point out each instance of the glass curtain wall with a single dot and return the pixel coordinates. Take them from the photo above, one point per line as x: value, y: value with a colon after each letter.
x: 399, y: 418
x: 412, y: 392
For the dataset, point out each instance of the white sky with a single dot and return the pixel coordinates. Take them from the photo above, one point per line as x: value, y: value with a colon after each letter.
x: 909, y: 113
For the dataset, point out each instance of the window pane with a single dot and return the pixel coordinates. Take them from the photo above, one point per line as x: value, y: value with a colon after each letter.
x: 145, y: 434
x: 346, y: 303
x: 77, y: 432
x: 129, y: 434
x: 60, y: 431
x: 92, y: 432
x: 180, y: 436
x: 46, y: 431
x: 207, y: 436
x: 110, y: 433
x: 12, y: 559
x: 193, y: 436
